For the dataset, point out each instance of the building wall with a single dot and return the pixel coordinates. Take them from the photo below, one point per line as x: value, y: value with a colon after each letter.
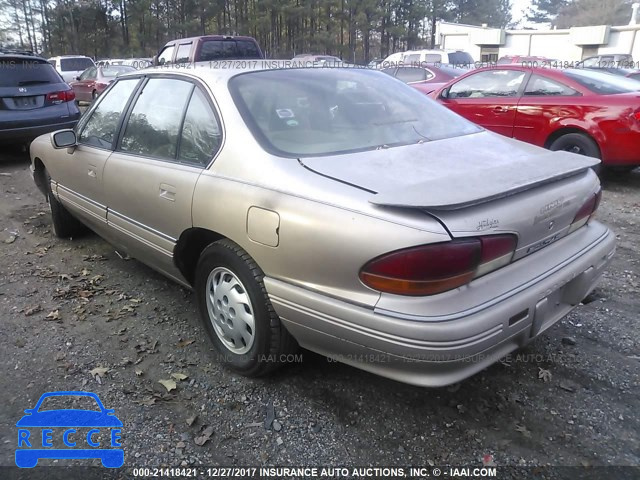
x: 556, y: 44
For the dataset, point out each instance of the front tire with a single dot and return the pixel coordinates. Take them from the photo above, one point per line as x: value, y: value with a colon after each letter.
x: 236, y: 311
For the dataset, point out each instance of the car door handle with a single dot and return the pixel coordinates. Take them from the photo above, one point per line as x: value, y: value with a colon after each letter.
x: 168, y: 192
x: 500, y: 110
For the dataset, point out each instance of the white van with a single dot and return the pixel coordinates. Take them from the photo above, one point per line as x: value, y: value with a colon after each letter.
x: 450, y: 57
x: 71, y: 66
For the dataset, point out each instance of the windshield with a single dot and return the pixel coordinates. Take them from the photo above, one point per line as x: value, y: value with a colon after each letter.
x: 603, y: 83
x: 16, y: 72
x: 310, y: 112
x: 77, y: 64
x: 114, y: 71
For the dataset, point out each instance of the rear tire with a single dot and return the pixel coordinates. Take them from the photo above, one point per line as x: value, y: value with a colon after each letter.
x: 576, y: 143
x: 236, y: 312
x: 64, y: 224
x: 580, y: 144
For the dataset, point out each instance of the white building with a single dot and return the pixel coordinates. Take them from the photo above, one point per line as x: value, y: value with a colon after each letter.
x: 571, y: 44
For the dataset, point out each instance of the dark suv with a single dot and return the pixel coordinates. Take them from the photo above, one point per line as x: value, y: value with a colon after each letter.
x: 33, y: 98
x: 208, y: 48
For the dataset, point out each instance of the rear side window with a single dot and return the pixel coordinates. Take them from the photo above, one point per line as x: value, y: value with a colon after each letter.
x: 201, y: 135
x: 539, y: 86
x: 183, y: 53
x: 412, y: 74
x: 75, y: 64
x: 153, y: 127
x: 16, y: 72
x: 413, y: 58
x: 228, y: 49
x: 433, y: 58
x: 99, y: 130
x: 460, y: 58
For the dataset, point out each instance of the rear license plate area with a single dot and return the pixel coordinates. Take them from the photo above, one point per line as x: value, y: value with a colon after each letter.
x: 25, y: 102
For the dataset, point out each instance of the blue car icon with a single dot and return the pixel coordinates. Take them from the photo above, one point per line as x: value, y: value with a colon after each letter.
x: 31, y: 448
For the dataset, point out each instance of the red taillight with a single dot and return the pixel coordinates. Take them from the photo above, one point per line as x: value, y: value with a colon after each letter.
x: 586, y: 211
x: 636, y: 115
x: 62, y: 96
x: 436, y: 268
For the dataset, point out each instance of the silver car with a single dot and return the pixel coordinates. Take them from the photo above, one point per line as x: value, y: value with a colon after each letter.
x: 335, y: 209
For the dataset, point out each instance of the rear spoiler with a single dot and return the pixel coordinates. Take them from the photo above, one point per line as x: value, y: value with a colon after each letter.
x: 453, y: 189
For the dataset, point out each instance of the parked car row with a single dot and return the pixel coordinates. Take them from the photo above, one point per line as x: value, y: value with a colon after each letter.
x: 34, y: 99
x: 578, y: 110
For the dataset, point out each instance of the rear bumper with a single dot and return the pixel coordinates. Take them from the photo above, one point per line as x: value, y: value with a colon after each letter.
x: 437, y: 350
x: 19, y: 133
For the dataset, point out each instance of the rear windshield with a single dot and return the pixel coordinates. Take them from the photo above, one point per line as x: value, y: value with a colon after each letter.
x: 18, y: 73
x: 603, y: 83
x: 114, y: 71
x: 460, y: 58
x: 75, y: 64
x: 310, y: 112
x: 453, y: 70
x: 228, y: 49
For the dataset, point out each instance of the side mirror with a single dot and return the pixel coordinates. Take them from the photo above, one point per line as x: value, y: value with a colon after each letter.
x: 63, y: 139
x: 445, y: 93
x: 78, y: 78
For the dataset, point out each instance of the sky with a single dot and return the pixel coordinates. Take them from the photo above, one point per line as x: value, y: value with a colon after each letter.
x: 519, y: 10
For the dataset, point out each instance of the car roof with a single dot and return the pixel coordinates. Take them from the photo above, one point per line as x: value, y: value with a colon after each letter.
x: 22, y: 56
x: 204, y: 71
x: 208, y: 37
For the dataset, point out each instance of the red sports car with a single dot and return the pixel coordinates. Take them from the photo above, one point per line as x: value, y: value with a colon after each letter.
x: 425, y: 78
x: 578, y: 110
x: 95, y: 80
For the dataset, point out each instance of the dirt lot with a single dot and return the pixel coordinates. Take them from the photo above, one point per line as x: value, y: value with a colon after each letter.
x: 77, y: 316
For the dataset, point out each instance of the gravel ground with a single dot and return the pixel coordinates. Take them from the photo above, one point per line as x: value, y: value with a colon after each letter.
x: 77, y: 316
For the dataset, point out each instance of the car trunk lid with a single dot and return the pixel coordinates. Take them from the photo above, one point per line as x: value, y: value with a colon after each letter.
x: 475, y: 185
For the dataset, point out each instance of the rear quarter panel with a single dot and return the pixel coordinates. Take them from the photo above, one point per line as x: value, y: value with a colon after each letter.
x: 605, y: 118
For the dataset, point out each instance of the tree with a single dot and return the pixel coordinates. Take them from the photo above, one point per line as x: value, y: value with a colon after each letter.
x: 546, y: 11
x: 581, y: 13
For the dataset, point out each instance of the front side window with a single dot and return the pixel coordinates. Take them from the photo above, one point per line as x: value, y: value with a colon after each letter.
x: 100, y: 129
x: 153, y: 127
x: 166, y: 55
x: 491, y: 83
x: 540, y: 86
x: 310, y: 112
x: 201, y: 133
